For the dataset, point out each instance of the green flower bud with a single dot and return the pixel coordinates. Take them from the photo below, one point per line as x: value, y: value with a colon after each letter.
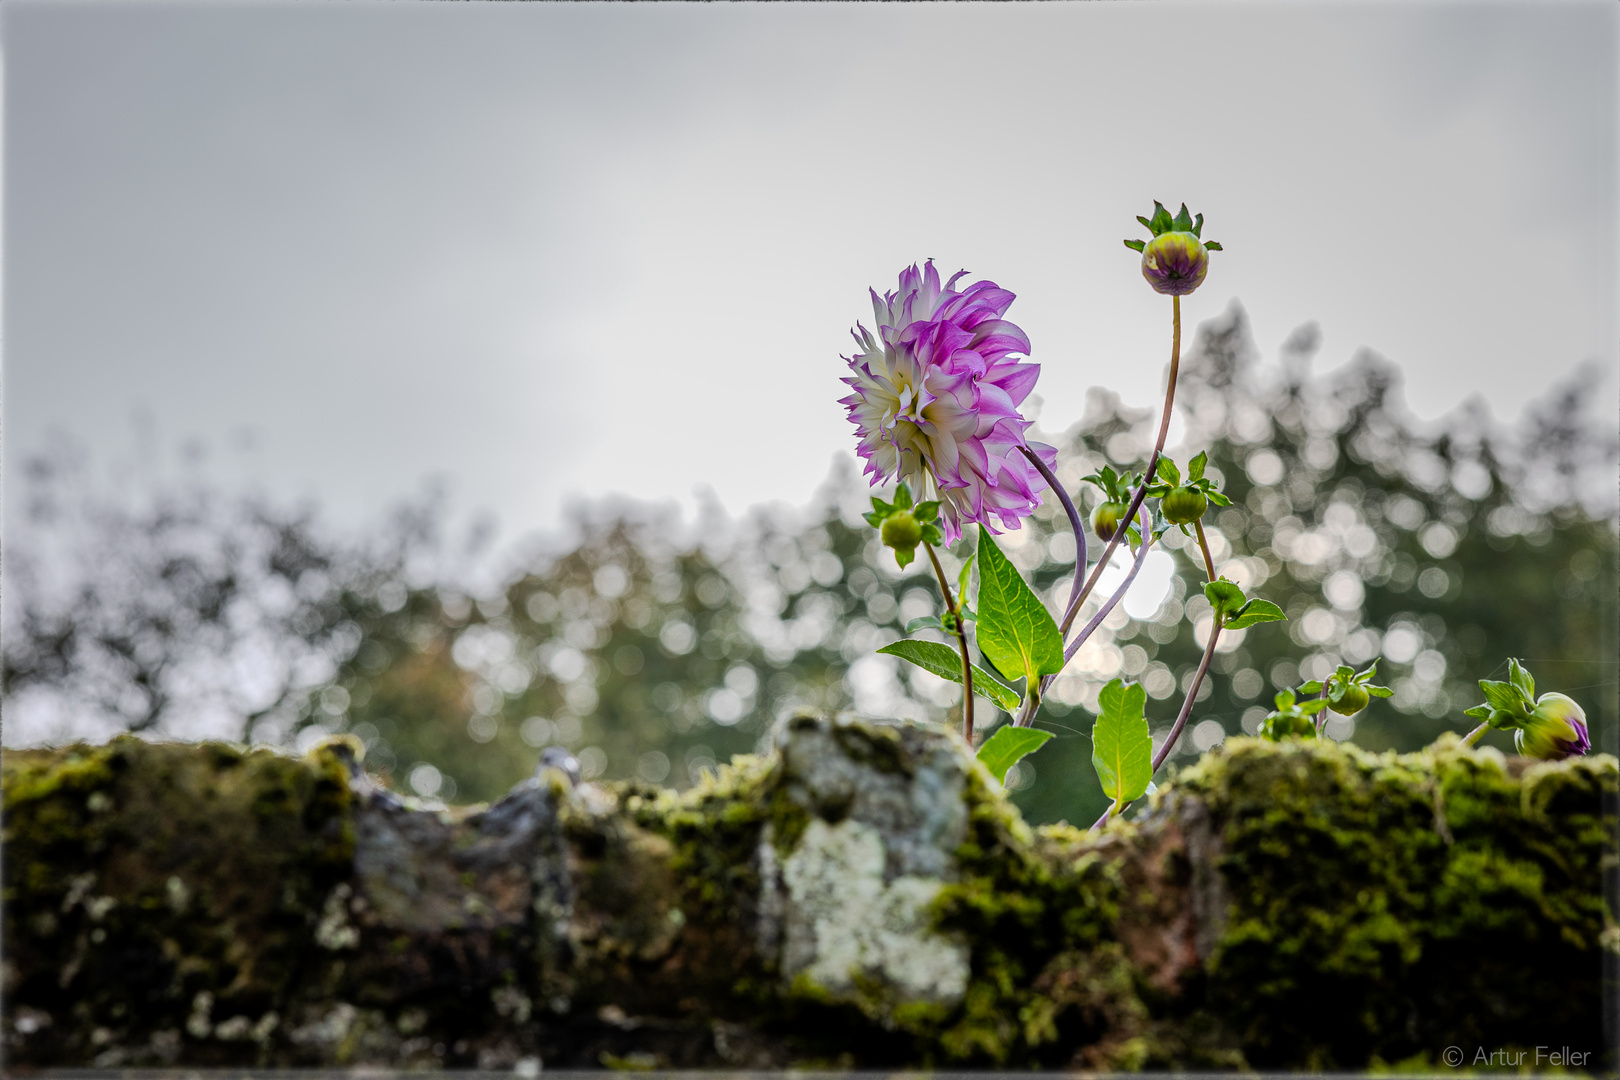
x: 1556, y: 729
x: 1106, y: 518
x: 902, y: 531
x: 1350, y: 702
x: 1184, y: 505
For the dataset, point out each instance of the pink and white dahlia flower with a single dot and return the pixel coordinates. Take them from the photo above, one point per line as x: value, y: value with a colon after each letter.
x: 936, y: 400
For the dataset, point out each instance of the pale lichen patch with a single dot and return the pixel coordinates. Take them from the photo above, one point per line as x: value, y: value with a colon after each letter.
x: 846, y: 925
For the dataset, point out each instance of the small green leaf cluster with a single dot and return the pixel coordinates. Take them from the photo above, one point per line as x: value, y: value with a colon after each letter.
x: 1235, y: 611
x: 1292, y: 717
x: 1508, y: 705
x: 1183, y: 504
x: 1348, y: 691
x: 1161, y: 222
x: 903, y: 525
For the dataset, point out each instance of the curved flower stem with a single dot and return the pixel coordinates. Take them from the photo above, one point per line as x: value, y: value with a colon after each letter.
x: 1026, y: 715
x: 1181, y: 718
x: 1203, y: 545
x: 1079, y: 528
x: 1119, y: 593
x: 1473, y: 736
x: 1152, y: 465
x: 955, y: 609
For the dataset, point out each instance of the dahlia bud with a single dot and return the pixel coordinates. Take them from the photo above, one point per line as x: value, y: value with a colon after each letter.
x: 1106, y: 518
x: 1184, y: 505
x: 1175, y: 261
x: 903, y: 525
x: 902, y: 532
x: 1555, y: 729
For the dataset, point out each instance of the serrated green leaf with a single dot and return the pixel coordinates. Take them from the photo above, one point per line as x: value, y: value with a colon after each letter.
x: 1198, y: 225
x: 1195, y: 467
x: 1002, y: 750
x: 924, y: 622
x: 1210, y: 245
x: 1169, y: 473
x: 1225, y: 597
x: 1144, y: 221
x: 1016, y: 632
x: 946, y: 662
x: 1256, y: 611
x: 1162, y: 221
x: 1121, y: 748
x: 1520, y: 678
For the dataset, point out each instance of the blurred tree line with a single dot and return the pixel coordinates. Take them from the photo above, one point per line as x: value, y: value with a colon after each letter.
x: 654, y: 650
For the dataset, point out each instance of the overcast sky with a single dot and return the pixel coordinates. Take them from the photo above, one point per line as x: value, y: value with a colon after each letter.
x: 556, y: 250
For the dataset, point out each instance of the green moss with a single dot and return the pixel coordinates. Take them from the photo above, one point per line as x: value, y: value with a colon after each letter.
x: 165, y: 886
x: 1448, y: 897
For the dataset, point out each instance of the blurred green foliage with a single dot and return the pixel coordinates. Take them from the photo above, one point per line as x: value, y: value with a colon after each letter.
x: 652, y: 649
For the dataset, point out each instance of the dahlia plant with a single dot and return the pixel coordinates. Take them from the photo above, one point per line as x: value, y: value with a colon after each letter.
x: 937, y: 385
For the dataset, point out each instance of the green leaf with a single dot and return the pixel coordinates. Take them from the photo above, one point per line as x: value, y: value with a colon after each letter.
x: 1210, y: 245
x: 946, y: 662
x: 1195, y: 467
x: 1135, y: 245
x: 902, y: 497
x: 876, y: 518
x: 1312, y: 687
x: 1256, y: 611
x: 1016, y: 632
x: 1379, y: 691
x: 1500, y: 695
x: 1121, y: 748
x: 1284, y: 700
x: 931, y: 534
x: 925, y: 512
x: 1521, y: 678
x: 1311, y: 708
x: 924, y: 622
x: 1183, y: 220
x: 1216, y: 497
x: 1198, y: 225
x: 1225, y: 597
x: 1003, y: 750
x: 1169, y: 472
x: 1479, y: 712
x: 903, y: 556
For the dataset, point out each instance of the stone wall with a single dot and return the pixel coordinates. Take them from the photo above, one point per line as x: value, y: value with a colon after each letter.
x: 862, y: 897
